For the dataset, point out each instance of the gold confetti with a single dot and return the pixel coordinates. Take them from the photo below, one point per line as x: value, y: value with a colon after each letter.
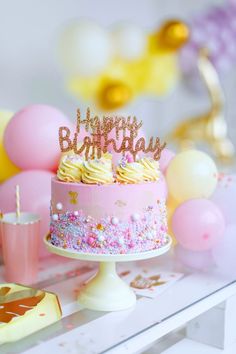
x: 141, y: 282
x: 100, y: 227
x: 73, y: 197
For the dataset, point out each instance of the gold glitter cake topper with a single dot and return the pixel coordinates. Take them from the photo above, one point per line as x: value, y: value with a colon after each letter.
x: 98, y: 142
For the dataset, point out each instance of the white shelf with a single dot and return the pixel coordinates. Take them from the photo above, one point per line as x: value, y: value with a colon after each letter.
x: 130, y: 331
x: 187, y: 346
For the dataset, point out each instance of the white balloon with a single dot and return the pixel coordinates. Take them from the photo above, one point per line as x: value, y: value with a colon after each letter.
x: 130, y: 41
x: 85, y: 48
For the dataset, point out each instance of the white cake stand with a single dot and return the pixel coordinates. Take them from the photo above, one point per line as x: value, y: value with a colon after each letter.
x: 106, y: 291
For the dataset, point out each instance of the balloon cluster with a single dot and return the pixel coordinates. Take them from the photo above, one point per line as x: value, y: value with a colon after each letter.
x: 110, y: 68
x: 214, y: 30
x: 29, y: 154
x: 211, y: 127
x: 209, y: 53
x: 203, y: 204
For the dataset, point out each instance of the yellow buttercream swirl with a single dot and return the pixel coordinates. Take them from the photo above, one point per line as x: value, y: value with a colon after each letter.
x: 70, y: 168
x: 98, y: 171
x: 129, y: 172
x: 107, y: 159
x: 150, y: 169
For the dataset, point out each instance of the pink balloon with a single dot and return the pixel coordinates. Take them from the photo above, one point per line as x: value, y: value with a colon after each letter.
x: 225, y: 197
x: 198, y: 224
x: 166, y: 156
x: 193, y: 259
x: 35, y: 195
x: 31, y: 137
x: 224, y: 253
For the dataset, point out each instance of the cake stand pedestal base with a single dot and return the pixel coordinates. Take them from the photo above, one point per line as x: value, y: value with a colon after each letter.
x: 106, y: 291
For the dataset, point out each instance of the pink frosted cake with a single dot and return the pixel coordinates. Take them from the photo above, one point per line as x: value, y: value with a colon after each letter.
x: 100, y: 208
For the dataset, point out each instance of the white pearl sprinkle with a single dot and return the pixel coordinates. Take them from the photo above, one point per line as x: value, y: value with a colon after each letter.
x: 76, y: 213
x: 135, y: 217
x: 59, y: 206
x: 114, y: 220
x: 55, y: 217
x: 101, y: 238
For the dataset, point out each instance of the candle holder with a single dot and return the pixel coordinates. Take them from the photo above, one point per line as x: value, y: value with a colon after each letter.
x: 20, y: 244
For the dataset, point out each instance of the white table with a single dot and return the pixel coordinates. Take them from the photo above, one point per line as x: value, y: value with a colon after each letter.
x: 84, y: 331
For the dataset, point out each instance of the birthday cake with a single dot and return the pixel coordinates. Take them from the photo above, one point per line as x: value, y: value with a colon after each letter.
x: 99, y: 207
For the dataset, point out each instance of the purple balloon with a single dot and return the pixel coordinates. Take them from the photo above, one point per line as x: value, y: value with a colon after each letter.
x: 222, y: 63
x: 193, y: 259
x: 225, y: 197
x: 215, y: 29
x: 232, y: 2
x: 198, y: 224
x: 224, y: 253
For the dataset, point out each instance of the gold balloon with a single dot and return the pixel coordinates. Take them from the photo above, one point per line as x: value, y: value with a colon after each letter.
x: 172, y: 35
x: 156, y: 73
x: 114, y: 94
x: 210, y: 127
x: 88, y: 88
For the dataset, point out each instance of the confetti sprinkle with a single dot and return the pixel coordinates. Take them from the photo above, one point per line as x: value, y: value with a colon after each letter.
x: 59, y: 206
x: 83, y: 233
x: 69, y: 326
x: 100, y: 227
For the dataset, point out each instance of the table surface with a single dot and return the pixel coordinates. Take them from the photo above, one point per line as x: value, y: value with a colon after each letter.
x: 86, y: 331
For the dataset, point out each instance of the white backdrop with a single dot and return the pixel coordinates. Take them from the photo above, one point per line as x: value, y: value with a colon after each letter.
x: 29, y: 69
